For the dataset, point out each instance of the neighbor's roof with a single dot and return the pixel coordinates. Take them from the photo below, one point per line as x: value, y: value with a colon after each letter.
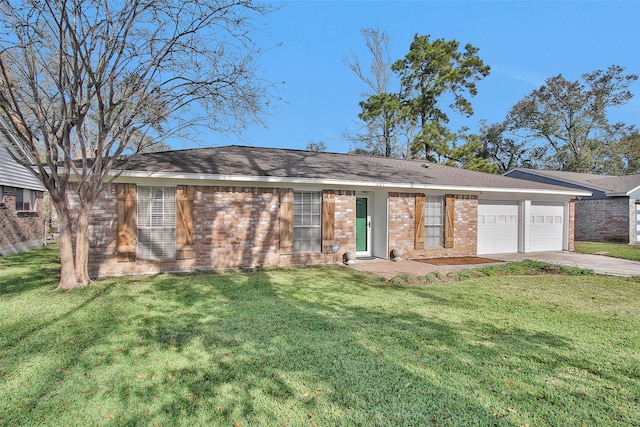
x: 240, y: 163
x: 611, y: 185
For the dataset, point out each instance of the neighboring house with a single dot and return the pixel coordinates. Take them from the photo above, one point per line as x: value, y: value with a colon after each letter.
x: 245, y: 207
x: 610, y: 214
x: 21, y: 206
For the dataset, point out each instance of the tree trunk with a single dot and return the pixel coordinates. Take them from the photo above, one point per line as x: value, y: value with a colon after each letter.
x: 67, y: 271
x: 82, y: 247
x: 387, y: 140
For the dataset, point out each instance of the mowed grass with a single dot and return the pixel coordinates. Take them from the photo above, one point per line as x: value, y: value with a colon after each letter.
x: 323, y: 346
x: 616, y: 250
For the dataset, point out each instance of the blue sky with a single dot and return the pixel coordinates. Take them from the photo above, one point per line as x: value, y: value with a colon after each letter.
x: 523, y: 42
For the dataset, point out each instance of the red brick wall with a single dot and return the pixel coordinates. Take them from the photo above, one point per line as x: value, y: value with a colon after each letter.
x: 103, y: 259
x: 18, y: 228
x: 233, y: 227
x: 345, y: 222
x: 572, y: 226
x: 604, y: 220
x: 236, y: 227
x: 402, y: 227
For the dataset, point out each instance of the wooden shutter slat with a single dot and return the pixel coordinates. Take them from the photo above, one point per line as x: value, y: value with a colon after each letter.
x: 328, y: 220
x: 184, y: 222
x: 419, y: 221
x: 449, y: 214
x: 286, y: 221
x: 127, y: 225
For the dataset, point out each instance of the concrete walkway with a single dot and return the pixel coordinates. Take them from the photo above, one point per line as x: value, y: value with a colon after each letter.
x: 598, y: 263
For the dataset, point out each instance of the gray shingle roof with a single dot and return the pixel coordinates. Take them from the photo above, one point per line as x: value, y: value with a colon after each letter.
x: 611, y: 185
x: 298, y: 164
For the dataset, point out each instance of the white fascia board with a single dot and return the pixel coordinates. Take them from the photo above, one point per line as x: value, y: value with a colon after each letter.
x: 342, y: 183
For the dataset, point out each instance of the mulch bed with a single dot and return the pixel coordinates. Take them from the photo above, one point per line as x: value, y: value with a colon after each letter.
x: 465, y: 260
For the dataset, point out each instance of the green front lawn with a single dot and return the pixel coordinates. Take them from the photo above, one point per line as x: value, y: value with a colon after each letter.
x: 322, y: 346
x: 616, y: 250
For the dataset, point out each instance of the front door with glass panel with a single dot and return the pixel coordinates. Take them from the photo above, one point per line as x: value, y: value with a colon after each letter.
x: 363, y: 225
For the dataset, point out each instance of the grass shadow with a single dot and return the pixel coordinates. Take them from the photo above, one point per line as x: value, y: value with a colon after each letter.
x: 30, y: 270
x: 298, y: 346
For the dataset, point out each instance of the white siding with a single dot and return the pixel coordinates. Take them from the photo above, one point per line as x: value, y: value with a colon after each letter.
x: 15, y: 175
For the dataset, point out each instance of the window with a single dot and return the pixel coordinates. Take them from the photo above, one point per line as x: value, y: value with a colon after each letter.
x: 156, y: 222
x: 25, y: 199
x: 307, y: 222
x: 433, y: 216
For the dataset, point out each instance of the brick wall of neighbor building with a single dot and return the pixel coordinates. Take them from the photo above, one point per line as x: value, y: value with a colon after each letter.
x: 604, y: 220
x: 402, y: 227
x: 20, y: 230
x: 232, y: 226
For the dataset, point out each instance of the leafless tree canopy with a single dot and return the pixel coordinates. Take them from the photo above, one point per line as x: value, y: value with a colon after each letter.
x: 93, y: 79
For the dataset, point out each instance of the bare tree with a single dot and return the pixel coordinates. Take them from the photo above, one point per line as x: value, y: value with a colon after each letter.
x: 83, y: 82
x: 319, y: 146
x: 381, y: 111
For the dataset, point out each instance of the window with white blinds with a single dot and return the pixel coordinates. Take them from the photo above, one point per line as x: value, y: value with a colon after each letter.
x: 307, y: 222
x: 433, y: 215
x: 156, y: 222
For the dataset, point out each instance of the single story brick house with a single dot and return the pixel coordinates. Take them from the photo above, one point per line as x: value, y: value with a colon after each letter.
x: 21, y: 206
x: 610, y: 214
x: 237, y: 206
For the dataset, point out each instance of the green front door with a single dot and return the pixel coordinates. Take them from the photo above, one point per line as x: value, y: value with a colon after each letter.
x: 361, y: 224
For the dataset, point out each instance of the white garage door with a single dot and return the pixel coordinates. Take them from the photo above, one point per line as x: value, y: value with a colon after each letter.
x: 497, y: 227
x: 547, y: 227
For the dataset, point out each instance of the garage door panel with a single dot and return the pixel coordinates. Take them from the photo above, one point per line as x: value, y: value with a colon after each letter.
x: 547, y: 227
x: 497, y: 227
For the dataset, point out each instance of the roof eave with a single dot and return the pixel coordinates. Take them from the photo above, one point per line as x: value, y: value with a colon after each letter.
x: 345, y: 183
x: 633, y: 190
x: 543, y: 175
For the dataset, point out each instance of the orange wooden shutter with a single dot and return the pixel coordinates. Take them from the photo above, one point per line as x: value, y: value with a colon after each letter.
x: 184, y: 222
x: 286, y: 221
x: 449, y: 214
x: 328, y: 218
x: 127, y: 224
x: 419, y: 231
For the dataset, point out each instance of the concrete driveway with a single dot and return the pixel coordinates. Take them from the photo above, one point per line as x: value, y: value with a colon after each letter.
x: 598, y: 263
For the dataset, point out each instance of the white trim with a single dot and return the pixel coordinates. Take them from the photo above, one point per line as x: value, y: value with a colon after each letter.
x: 380, y: 220
x: 628, y: 193
x: 227, y: 179
x: 524, y: 239
x: 565, y: 231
